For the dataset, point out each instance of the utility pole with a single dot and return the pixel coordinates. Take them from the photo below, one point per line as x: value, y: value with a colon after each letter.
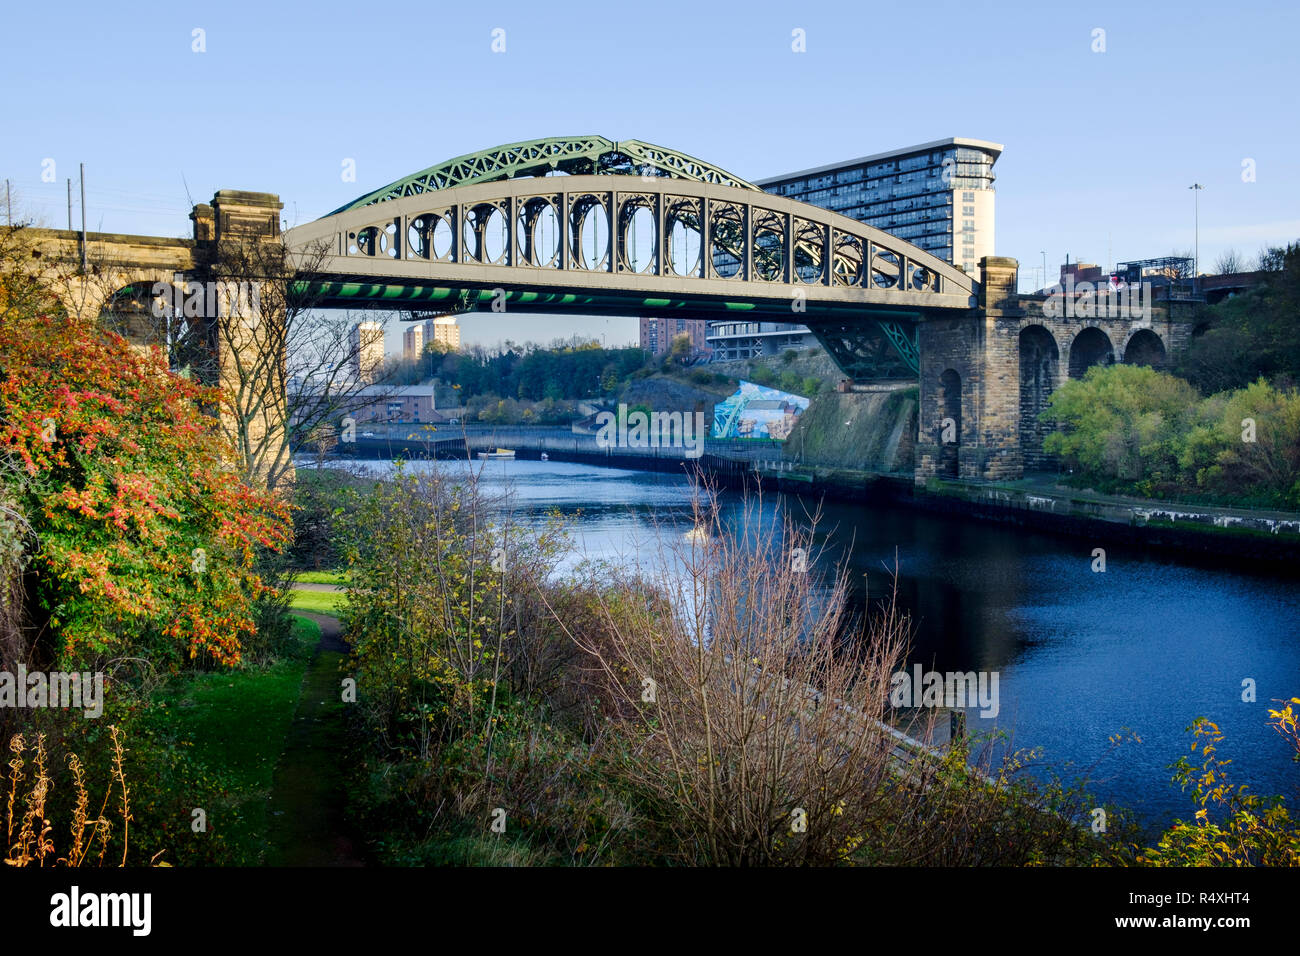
x: 1044, y: 252
x: 83, y: 219
x: 1196, y: 261
x: 69, y: 204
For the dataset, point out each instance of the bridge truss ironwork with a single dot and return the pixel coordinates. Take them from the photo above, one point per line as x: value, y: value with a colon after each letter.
x: 631, y: 229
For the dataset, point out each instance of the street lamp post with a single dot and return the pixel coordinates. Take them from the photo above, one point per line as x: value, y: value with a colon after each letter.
x: 1196, y: 249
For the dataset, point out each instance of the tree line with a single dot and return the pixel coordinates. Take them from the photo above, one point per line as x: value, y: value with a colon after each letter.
x: 1224, y: 427
x: 524, y: 372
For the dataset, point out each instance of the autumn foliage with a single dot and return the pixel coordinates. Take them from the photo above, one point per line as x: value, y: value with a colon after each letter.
x: 143, y: 541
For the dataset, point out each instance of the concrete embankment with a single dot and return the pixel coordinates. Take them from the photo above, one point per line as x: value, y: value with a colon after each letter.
x: 1237, y: 534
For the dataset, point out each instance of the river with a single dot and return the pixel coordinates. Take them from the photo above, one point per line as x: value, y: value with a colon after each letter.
x: 1147, y: 646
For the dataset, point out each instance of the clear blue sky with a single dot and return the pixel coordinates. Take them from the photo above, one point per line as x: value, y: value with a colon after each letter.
x: 1100, y: 147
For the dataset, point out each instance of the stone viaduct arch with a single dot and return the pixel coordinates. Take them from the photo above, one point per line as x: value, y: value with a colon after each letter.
x: 1040, y: 373
x: 1089, y: 346
x: 117, y: 266
x: 1145, y: 347
x: 1013, y: 352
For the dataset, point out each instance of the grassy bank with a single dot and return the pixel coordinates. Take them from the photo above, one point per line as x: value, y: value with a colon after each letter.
x: 869, y: 431
x: 228, y: 728
x: 339, y: 578
x: 317, y: 602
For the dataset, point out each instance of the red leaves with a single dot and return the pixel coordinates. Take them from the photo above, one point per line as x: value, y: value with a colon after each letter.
x: 125, y: 483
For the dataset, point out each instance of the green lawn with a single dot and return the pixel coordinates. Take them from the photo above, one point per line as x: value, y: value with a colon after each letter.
x: 318, y: 602
x: 233, y: 724
x: 322, y: 577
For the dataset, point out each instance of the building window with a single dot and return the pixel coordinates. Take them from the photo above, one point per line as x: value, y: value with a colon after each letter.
x: 967, y: 197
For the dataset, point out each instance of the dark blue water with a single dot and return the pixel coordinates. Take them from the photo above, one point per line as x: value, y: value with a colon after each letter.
x: 1147, y: 646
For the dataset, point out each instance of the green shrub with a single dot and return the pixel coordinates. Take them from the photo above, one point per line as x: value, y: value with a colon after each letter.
x: 1231, y: 827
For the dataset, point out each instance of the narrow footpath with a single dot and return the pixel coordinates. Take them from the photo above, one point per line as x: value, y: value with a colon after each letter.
x: 308, y: 801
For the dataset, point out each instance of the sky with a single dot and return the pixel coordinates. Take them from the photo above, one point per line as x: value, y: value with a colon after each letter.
x: 1103, y: 131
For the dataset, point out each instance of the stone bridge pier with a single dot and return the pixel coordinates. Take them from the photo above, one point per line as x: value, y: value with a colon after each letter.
x: 149, y: 288
x: 986, y: 376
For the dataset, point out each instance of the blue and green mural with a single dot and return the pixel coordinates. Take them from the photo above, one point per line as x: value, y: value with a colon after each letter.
x: 756, y: 411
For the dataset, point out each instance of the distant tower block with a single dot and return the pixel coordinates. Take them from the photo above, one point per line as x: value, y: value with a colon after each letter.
x: 367, y: 350
x: 443, y: 330
x: 413, y: 342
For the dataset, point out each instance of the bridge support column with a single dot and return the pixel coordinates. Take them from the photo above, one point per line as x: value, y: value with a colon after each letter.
x: 970, y: 385
x: 242, y: 255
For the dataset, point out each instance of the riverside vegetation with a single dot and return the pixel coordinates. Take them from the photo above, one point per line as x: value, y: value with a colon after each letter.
x: 665, y: 714
x: 662, y: 714
x: 130, y: 548
x: 1224, y: 430
x: 505, y: 712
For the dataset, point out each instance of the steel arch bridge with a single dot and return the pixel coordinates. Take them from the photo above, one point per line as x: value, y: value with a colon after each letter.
x: 587, y: 225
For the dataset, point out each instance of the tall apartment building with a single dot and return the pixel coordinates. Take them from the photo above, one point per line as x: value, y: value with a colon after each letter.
x: 657, y: 334
x: 937, y: 196
x: 367, y: 350
x: 442, y: 329
x: 413, y: 342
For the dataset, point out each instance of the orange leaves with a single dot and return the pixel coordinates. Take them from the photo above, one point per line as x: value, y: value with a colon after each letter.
x: 125, y: 483
x: 81, y: 501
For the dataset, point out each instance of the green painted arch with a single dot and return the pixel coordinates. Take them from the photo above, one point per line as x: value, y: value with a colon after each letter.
x: 575, y: 155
